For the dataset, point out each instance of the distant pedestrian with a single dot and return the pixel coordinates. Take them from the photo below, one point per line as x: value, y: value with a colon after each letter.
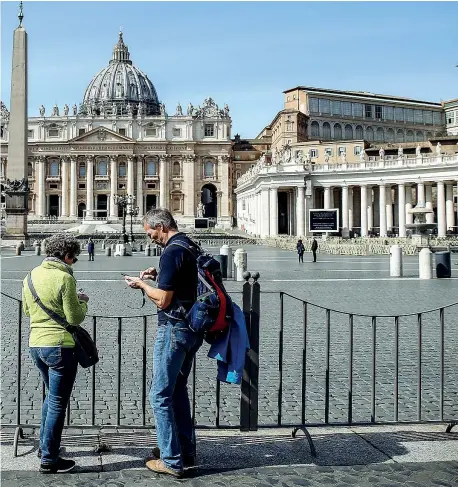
x: 90, y: 249
x: 300, y: 250
x: 314, y: 249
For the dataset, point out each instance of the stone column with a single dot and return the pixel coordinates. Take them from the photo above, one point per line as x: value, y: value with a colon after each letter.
x: 64, y: 197
x: 429, y: 202
x: 409, y: 216
x: 265, y: 213
x: 163, y: 200
x: 327, y: 198
x: 41, y: 185
x: 139, y: 200
x: 73, y: 187
x: 190, y: 184
x: 89, y: 187
x: 402, y: 209
x: 370, y: 216
x: 382, y: 209
x: 113, y: 185
x: 350, y: 208
x: 389, y: 209
x: 450, y: 213
x: 300, y: 207
x: 130, y: 175
x: 441, y: 222
x: 364, y: 210
x: 273, y: 211
x: 345, y: 224
x: 421, y: 194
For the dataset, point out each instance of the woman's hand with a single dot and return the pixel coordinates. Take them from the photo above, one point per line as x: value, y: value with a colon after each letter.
x: 134, y: 282
x: 83, y: 297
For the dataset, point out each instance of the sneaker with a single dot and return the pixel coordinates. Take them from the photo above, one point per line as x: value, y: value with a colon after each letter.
x: 188, y: 460
x: 159, y: 466
x: 61, y: 466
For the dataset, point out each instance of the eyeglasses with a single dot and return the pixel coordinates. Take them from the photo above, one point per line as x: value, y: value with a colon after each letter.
x: 75, y: 259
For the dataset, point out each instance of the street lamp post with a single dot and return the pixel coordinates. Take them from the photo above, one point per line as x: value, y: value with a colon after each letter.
x: 124, y: 201
x: 133, y: 211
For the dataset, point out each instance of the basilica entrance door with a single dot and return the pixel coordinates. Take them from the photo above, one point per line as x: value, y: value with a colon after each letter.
x: 102, y: 206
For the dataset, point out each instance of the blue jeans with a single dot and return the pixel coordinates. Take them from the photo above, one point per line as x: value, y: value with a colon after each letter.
x: 57, y: 366
x: 174, y: 351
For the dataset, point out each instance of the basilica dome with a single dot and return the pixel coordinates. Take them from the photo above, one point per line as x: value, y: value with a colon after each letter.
x: 120, y: 88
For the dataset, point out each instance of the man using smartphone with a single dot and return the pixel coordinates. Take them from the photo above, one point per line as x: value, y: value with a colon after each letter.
x: 175, y: 344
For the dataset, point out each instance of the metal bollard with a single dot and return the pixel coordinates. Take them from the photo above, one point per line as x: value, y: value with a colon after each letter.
x: 43, y: 245
x: 396, y: 261
x: 240, y: 259
x: 37, y: 250
x: 425, y: 258
x: 154, y: 251
x: 140, y: 248
x: 226, y: 250
x: 18, y: 249
x: 103, y: 245
x: 147, y: 251
x: 108, y: 251
x: 443, y: 264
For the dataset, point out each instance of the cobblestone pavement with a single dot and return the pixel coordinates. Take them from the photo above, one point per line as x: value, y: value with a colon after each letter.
x: 443, y: 474
x: 350, y: 284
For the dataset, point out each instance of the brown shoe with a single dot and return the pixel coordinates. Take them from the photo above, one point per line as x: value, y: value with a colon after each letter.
x: 159, y: 466
x: 189, y: 461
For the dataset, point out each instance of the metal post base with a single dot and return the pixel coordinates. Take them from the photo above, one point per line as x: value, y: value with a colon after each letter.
x: 309, y: 439
x: 450, y: 426
x: 18, y: 433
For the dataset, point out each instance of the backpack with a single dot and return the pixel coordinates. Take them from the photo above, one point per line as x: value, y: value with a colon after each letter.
x: 211, y: 314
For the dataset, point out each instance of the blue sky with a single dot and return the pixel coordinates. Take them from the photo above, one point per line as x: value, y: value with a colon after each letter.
x: 241, y: 53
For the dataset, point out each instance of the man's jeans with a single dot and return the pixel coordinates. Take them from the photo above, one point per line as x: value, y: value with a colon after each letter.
x: 174, y: 351
x: 58, y: 368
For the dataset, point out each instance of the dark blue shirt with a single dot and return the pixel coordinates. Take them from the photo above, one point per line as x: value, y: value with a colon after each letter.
x: 178, y: 273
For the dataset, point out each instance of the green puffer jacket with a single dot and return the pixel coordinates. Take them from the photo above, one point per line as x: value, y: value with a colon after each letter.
x: 56, y: 287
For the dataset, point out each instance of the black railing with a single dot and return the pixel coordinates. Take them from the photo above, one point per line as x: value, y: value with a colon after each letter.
x: 306, y: 331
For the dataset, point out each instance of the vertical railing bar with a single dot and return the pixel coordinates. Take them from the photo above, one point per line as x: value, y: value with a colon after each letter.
x: 396, y: 368
x: 19, y: 364
x: 280, y: 361
x: 144, y: 358
x: 194, y: 391
x: 218, y: 403
x: 374, y: 345
x: 419, y: 366
x: 350, y: 371
x: 304, y: 361
x: 67, y: 417
x: 118, y: 382
x: 328, y: 350
x: 442, y: 324
x: 94, y: 337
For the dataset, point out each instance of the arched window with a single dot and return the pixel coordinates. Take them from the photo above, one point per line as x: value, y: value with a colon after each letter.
x: 53, y: 167
x: 176, y: 169
x: 370, y: 134
x: 419, y: 136
x: 209, y: 169
x: 151, y: 168
x: 102, y: 167
x: 409, y: 137
x: 29, y: 170
x: 359, y: 132
x: 390, y: 135
x: 337, y: 131
x: 379, y: 135
x: 122, y: 170
x: 82, y: 170
x: 348, y: 132
x: 315, y: 129
x: 400, y: 136
x: 326, y: 131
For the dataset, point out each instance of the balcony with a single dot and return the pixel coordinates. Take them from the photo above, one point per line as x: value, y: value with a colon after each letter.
x: 154, y: 177
x: 53, y: 179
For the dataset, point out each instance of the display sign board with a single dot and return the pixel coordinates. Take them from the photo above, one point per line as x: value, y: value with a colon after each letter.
x: 321, y: 220
x: 201, y: 223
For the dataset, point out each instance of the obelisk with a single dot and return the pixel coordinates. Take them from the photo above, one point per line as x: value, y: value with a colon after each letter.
x: 16, y: 186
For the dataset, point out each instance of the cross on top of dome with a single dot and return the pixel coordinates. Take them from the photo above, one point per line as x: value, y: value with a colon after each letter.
x: 121, y: 51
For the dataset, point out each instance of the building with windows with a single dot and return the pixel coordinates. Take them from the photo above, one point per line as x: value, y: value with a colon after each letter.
x: 451, y: 116
x: 121, y: 139
x: 373, y: 157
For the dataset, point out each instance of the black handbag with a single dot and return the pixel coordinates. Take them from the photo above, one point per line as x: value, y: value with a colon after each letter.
x: 85, y: 350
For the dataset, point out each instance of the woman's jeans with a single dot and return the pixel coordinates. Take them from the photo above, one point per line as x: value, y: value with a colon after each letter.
x: 57, y: 366
x: 174, y: 351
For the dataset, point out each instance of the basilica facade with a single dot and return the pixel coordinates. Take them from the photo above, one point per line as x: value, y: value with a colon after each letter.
x: 122, y: 140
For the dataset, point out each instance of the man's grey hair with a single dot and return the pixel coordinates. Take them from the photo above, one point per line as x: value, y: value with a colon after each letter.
x: 160, y: 216
x: 61, y: 245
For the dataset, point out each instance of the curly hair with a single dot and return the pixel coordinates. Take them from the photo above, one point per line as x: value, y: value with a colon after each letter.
x: 61, y: 245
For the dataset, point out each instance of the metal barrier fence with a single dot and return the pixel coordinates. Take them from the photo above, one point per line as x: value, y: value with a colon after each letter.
x: 296, y: 370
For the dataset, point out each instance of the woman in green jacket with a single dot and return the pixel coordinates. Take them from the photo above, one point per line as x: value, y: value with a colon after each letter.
x: 51, y: 346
